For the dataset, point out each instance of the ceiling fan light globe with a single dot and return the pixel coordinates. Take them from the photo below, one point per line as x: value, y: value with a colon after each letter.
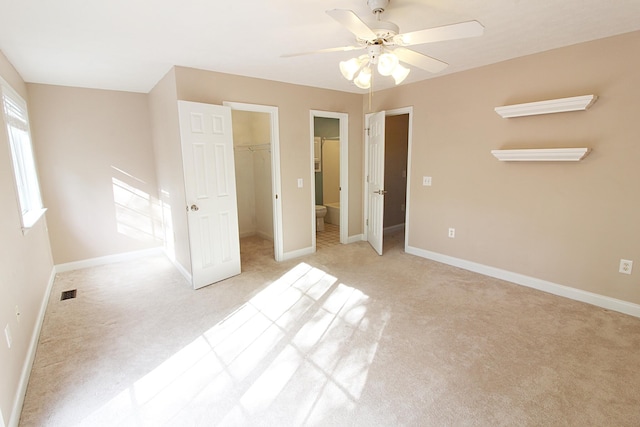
x: 387, y: 63
x: 400, y: 73
x: 350, y: 68
x: 363, y: 81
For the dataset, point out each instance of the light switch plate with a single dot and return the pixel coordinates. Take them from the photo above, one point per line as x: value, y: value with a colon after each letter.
x: 426, y: 181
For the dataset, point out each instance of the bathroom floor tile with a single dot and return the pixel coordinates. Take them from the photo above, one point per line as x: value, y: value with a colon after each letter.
x: 329, y: 237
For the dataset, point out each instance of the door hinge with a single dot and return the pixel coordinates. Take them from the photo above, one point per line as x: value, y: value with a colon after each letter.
x: 368, y: 130
x: 367, y: 222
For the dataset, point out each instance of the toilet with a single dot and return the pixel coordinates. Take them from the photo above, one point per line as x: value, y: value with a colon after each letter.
x: 321, y: 211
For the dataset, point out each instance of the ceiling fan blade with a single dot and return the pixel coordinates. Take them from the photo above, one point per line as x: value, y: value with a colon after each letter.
x: 446, y: 32
x: 354, y: 24
x: 419, y: 60
x: 328, y: 50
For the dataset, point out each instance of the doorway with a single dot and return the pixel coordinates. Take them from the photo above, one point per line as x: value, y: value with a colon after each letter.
x: 390, y: 217
x: 256, y: 156
x: 395, y: 172
x: 329, y: 149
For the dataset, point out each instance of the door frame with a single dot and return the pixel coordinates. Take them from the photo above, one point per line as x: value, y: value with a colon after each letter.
x: 394, y: 112
x: 344, y: 173
x: 276, y: 187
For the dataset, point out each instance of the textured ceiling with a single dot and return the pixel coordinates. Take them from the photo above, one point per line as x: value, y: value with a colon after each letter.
x: 130, y: 44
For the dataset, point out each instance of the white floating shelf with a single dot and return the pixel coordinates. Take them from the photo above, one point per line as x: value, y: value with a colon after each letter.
x: 542, y: 155
x: 562, y: 105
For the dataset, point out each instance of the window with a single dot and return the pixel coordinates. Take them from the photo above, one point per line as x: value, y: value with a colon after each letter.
x: 24, y: 165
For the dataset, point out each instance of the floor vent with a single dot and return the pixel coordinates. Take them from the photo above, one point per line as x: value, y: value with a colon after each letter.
x: 68, y: 294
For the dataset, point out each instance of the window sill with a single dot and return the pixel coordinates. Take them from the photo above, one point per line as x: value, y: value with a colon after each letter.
x: 31, y: 218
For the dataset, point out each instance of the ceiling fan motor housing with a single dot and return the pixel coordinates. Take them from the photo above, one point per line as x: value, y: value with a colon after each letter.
x: 377, y: 6
x: 385, y: 30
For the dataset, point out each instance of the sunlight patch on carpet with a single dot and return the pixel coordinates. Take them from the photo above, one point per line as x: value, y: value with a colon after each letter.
x: 298, y: 350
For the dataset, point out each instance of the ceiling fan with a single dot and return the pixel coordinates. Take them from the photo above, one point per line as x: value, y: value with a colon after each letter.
x: 385, y: 46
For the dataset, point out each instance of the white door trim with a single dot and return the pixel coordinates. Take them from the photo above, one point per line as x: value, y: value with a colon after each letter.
x: 344, y: 173
x: 276, y: 187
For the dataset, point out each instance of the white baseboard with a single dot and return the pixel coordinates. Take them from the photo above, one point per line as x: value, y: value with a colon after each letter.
x: 264, y: 236
x: 109, y: 259
x: 260, y: 234
x: 247, y: 234
x: 532, y: 282
x: 14, y: 417
x: 356, y: 238
x: 295, y: 254
x: 181, y: 269
x: 393, y: 228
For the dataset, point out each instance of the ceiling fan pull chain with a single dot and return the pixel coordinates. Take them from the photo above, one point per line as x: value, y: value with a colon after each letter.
x: 371, y: 92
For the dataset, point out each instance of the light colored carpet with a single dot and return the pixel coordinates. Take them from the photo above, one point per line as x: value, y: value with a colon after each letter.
x: 340, y: 338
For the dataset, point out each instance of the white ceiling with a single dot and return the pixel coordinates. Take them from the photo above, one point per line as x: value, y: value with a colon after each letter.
x: 130, y: 44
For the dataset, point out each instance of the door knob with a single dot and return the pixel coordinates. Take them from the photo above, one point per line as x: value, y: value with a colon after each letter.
x: 194, y: 208
x: 381, y: 192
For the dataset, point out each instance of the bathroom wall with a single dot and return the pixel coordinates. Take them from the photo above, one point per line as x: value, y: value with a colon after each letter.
x: 324, y: 127
x: 317, y: 156
x: 251, y: 136
x: 331, y: 171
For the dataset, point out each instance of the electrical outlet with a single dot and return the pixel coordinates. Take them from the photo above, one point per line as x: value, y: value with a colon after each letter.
x: 625, y: 266
x: 452, y: 233
x: 7, y: 335
x: 426, y: 181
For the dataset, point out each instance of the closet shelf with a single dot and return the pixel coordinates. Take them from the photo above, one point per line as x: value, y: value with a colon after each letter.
x: 542, y: 155
x: 561, y: 105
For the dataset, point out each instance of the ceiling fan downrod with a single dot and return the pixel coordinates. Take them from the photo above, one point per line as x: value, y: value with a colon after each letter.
x: 377, y: 6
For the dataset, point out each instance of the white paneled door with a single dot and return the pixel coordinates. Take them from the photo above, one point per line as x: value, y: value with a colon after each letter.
x: 210, y: 189
x: 375, y: 181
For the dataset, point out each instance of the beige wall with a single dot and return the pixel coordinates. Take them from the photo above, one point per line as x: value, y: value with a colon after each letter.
x: 567, y: 223
x: 97, y: 171
x: 251, y: 127
x: 25, y: 269
x: 165, y: 130
x: 294, y: 103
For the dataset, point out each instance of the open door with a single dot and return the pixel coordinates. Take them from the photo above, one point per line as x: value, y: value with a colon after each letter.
x: 375, y: 181
x: 210, y: 190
